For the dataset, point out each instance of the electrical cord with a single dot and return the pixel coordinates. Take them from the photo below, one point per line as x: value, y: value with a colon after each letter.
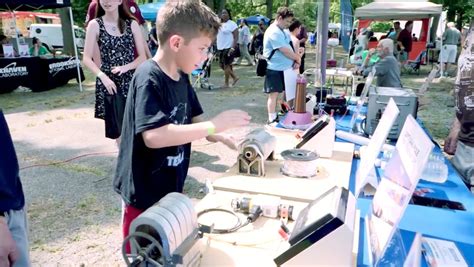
x: 255, y: 212
x: 67, y: 160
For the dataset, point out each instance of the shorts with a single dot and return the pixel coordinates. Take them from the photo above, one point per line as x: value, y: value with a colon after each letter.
x: 464, y: 163
x: 225, y: 58
x: 274, y: 82
x: 403, y: 56
x: 448, y: 53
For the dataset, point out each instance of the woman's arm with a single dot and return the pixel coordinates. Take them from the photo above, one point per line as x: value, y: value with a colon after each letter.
x: 92, y: 35
x: 138, y: 38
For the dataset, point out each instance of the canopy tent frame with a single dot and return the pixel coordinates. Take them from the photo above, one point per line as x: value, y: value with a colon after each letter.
x: 16, y: 5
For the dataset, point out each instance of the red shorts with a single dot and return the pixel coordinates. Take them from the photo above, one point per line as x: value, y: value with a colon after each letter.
x: 129, y: 214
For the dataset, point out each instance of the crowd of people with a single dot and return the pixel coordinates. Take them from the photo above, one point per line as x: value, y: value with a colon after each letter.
x: 162, y: 114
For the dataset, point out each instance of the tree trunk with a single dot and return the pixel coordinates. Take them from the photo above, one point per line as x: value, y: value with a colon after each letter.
x: 287, y: 3
x: 68, y: 43
x: 269, y: 9
x: 460, y: 19
x: 210, y: 4
x: 221, y: 6
x: 450, y: 15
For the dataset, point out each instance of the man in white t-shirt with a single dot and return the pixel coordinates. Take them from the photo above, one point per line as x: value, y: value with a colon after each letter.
x: 226, y: 41
x: 451, y: 39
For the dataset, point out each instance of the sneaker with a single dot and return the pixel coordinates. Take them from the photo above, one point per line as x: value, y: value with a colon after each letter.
x: 275, y: 121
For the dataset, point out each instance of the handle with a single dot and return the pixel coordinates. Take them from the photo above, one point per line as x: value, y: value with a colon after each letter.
x: 398, y: 104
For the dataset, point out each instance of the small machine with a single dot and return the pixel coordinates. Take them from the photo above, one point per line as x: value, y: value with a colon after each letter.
x: 167, y: 234
x: 407, y: 103
x: 298, y: 118
x: 323, y: 232
x: 257, y: 147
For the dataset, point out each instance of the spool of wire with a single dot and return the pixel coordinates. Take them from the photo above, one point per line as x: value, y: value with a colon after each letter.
x: 299, y: 163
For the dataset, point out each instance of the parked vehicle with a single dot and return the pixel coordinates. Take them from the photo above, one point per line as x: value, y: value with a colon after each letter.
x: 51, y: 34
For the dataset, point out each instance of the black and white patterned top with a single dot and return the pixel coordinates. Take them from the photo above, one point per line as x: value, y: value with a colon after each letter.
x: 114, y: 51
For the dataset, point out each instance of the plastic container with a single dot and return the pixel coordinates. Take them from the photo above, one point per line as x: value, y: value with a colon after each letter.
x: 435, y: 171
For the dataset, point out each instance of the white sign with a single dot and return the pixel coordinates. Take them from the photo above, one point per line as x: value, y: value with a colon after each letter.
x: 400, y: 178
x: 8, y: 50
x: 367, y: 161
x: 23, y: 50
x: 414, y: 256
x: 442, y: 253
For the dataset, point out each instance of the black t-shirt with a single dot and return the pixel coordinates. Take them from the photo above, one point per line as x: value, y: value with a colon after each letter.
x: 464, y: 88
x: 11, y: 191
x: 144, y: 175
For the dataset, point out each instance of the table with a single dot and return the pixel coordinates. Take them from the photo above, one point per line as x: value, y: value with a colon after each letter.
x: 346, y: 74
x: 258, y: 244
x: 37, y: 73
x: 453, y: 225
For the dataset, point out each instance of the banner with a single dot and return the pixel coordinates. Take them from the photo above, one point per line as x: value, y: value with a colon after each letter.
x: 346, y: 23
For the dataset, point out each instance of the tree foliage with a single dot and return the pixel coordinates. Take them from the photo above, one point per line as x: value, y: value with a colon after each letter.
x: 459, y: 11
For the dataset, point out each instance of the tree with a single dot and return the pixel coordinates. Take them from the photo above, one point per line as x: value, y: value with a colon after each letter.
x: 66, y: 31
x: 459, y: 11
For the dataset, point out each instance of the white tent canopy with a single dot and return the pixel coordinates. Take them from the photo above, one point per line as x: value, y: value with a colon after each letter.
x: 398, y: 10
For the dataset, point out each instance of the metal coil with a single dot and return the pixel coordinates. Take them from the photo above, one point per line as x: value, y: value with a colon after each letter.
x: 257, y: 143
x: 299, y: 163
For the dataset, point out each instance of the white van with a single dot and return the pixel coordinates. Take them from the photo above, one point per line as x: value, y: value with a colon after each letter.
x: 51, y: 34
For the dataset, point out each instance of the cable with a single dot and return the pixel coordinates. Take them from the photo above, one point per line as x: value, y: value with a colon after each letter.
x: 67, y: 160
x: 254, y: 213
x: 236, y: 227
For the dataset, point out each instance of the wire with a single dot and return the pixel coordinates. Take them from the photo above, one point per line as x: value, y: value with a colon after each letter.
x: 236, y: 227
x: 68, y: 160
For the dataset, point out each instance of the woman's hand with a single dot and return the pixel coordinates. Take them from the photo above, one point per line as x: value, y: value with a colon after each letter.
x: 119, y: 70
x: 108, y: 83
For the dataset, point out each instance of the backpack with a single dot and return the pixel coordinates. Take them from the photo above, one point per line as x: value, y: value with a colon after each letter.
x: 262, y: 64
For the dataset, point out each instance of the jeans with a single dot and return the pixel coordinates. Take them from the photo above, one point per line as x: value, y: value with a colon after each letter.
x: 16, y: 220
x: 244, y: 53
x: 463, y: 161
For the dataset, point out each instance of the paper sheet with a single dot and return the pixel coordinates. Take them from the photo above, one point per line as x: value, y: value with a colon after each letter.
x: 290, y: 83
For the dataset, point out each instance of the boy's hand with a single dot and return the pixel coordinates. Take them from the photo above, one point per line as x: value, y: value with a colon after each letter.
x: 229, y: 141
x: 8, y: 251
x: 230, y: 119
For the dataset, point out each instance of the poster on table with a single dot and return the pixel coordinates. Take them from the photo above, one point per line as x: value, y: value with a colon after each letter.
x: 398, y: 183
x: 8, y: 50
x: 368, y: 158
x: 23, y: 50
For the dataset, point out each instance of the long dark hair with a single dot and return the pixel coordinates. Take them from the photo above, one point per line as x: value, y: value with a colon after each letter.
x: 124, y: 14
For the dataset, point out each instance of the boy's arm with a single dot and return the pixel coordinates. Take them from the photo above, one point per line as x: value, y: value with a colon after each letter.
x: 226, y: 140
x: 174, y: 135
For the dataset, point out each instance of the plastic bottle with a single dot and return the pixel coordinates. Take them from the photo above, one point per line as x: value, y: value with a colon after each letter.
x: 435, y: 171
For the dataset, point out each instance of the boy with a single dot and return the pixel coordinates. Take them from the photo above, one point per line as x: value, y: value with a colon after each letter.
x: 162, y: 111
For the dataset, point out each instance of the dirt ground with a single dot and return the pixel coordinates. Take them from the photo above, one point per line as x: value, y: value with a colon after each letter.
x: 67, y: 165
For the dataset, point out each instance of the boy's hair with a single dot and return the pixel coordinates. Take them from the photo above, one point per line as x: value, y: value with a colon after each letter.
x: 284, y: 12
x: 188, y: 18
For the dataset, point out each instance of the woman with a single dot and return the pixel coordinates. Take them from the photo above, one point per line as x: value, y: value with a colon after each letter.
x: 257, y: 39
x: 244, y: 40
x: 38, y: 49
x: 114, y: 32
x: 226, y: 42
x: 294, y: 28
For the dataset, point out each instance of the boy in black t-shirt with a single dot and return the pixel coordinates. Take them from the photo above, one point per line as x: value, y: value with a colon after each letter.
x: 162, y: 114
